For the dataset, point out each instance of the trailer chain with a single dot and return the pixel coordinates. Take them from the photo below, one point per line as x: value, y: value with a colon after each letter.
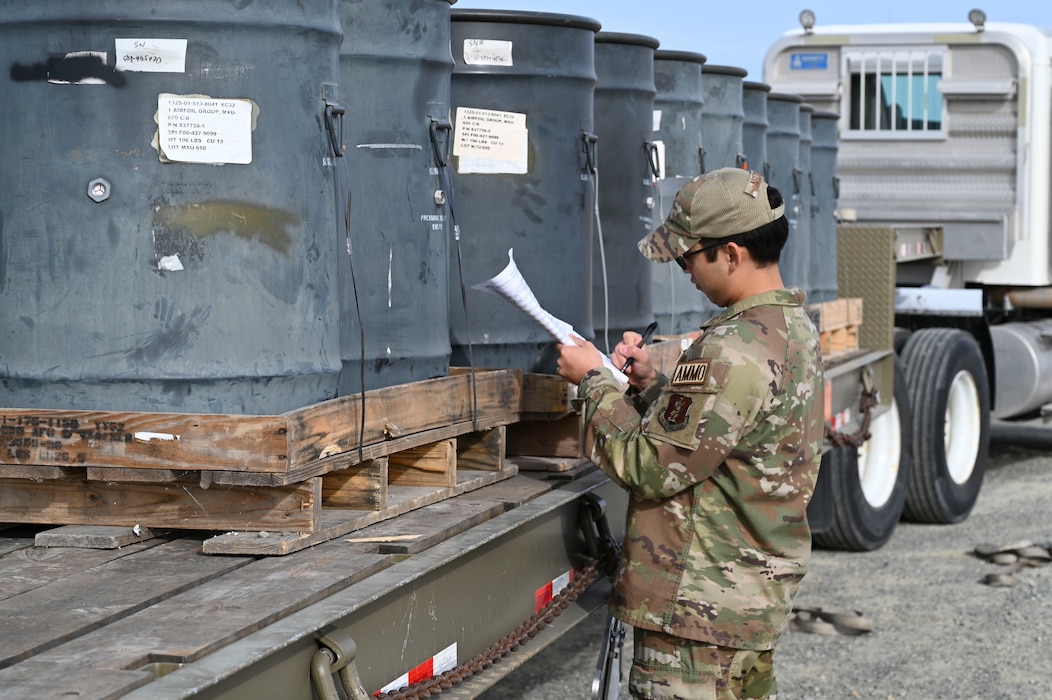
x: 506, y: 645
x: 866, y: 403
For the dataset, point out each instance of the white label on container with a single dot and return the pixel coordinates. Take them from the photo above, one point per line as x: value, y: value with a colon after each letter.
x: 659, y: 146
x: 489, y: 141
x: 204, y: 130
x: 151, y: 55
x: 657, y: 120
x: 487, y: 52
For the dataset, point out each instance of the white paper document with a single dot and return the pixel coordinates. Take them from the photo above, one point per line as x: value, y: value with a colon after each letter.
x: 510, y: 284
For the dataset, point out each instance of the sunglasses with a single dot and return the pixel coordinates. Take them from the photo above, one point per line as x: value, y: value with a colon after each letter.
x: 681, y: 260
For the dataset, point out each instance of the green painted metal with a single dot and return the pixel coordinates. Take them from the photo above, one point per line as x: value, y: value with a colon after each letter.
x: 470, y: 590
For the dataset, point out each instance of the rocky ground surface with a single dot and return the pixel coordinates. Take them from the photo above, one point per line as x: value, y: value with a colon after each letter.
x: 939, y: 632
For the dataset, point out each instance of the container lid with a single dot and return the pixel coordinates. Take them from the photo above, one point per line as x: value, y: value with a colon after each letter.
x: 724, y: 70
x: 753, y: 85
x: 525, y: 17
x: 685, y: 56
x: 634, y: 39
x: 785, y: 97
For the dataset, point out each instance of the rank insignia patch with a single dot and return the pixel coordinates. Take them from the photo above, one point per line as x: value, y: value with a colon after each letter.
x: 677, y: 414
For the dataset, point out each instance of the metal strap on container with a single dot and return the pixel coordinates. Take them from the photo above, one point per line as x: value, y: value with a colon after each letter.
x: 335, y: 111
x: 442, y: 150
x: 590, y: 143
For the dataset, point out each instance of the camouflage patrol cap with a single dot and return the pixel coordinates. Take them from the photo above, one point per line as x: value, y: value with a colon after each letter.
x: 717, y: 204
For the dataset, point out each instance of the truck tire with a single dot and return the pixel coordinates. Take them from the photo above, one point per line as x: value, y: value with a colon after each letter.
x: 950, y: 398
x: 869, y: 484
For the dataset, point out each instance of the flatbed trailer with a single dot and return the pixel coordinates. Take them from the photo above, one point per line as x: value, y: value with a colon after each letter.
x: 160, y: 619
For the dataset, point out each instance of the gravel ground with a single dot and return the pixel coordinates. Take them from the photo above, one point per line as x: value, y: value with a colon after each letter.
x: 938, y: 631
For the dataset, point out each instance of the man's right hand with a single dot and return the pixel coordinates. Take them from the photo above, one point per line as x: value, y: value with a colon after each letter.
x: 641, y: 373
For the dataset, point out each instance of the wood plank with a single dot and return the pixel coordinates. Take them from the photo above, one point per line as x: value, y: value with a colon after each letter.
x: 558, y: 438
x: 347, y: 459
x: 333, y: 428
x: 547, y: 464
x: 30, y: 567
x: 854, y: 311
x: 576, y: 470
x: 513, y: 492
x: 184, y: 627
x: 161, y: 506
x: 430, y: 465
x: 545, y: 394
x: 148, y: 476
x: 94, y: 536
x: 362, y: 486
x: 839, y: 341
x: 69, y: 607
x: 432, y: 524
x: 482, y: 450
x: 13, y: 538
x: 143, y: 440
x: 336, y: 523
x: 36, y: 471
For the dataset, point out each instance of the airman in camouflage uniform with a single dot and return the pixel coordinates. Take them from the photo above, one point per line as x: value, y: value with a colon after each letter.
x: 720, y: 458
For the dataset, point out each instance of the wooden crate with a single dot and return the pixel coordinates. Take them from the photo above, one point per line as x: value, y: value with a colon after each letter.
x: 838, y: 324
x: 665, y: 353
x: 308, y: 474
x: 831, y: 314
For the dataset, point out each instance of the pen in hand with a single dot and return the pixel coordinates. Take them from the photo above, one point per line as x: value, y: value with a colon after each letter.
x: 647, y: 335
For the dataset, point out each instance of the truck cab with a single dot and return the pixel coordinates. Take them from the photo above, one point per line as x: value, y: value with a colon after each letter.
x: 944, y: 141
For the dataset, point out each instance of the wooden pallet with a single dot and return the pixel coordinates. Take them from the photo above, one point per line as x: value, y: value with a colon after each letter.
x: 120, y: 618
x: 278, y: 483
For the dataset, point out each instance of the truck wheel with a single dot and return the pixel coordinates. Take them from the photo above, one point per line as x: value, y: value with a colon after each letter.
x: 950, y: 397
x: 869, y: 484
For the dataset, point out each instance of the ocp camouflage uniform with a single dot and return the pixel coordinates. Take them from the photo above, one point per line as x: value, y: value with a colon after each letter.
x: 720, y: 460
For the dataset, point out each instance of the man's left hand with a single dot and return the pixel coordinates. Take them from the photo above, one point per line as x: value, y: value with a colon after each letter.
x: 577, y: 360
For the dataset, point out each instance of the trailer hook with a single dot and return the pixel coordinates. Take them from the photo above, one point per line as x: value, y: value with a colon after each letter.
x: 321, y: 674
x: 597, y: 534
x: 330, y: 657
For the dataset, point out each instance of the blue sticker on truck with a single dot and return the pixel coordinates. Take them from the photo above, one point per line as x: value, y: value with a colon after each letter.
x: 809, y: 61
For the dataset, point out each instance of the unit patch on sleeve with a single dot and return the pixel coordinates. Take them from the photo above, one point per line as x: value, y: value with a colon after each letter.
x: 676, y: 413
x: 691, y: 372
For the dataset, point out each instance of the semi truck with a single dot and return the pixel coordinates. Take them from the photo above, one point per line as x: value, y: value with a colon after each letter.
x: 944, y: 144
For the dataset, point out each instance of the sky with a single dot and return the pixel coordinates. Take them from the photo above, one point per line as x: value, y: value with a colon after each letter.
x: 739, y: 32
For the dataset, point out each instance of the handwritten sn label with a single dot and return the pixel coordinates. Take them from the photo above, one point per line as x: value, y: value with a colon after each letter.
x: 151, y: 55
x: 487, y: 52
